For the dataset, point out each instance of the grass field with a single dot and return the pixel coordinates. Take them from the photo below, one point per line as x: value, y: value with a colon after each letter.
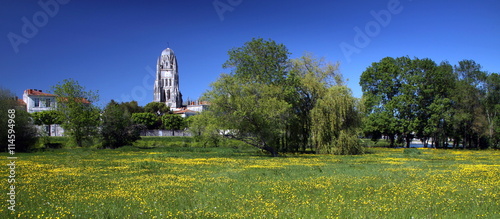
x: 241, y: 182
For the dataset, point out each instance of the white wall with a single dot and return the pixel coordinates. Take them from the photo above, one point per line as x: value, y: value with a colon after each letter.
x: 42, y: 101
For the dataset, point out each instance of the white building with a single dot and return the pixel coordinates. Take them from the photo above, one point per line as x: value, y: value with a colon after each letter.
x: 185, y: 113
x: 198, y: 106
x: 37, y: 101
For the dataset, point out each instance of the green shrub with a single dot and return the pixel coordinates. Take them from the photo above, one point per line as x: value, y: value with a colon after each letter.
x: 16, y: 126
x: 117, y: 129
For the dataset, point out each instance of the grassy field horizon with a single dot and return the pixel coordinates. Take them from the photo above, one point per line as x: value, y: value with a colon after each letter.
x: 179, y: 181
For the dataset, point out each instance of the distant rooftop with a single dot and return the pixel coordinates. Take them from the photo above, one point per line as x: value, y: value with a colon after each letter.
x: 35, y: 92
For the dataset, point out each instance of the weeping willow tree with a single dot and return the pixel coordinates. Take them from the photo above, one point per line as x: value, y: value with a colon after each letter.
x: 335, y: 122
x: 327, y: 110
x: 311, y: 77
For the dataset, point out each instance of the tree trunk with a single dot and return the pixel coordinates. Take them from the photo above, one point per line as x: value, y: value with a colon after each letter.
x: 262, y: 146
x: 478, y: 141
x: 437, y: 141
x: 271, y: 150
x: 408, y: 140
x: 391, y: 139
x: 490, y: 124
x: 456, y: 142
x: 464, y: 141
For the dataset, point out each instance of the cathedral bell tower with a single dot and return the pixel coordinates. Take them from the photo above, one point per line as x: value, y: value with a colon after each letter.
x: 166, y: 89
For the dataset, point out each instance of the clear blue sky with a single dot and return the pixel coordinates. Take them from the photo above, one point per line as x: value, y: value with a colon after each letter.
x: 110, y: 45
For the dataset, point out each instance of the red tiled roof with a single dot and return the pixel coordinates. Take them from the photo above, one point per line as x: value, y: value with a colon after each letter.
x: 33, y: 92
x: 81, y: 100
x: 184, y: 111
x: 20, y: 102
x: 198, y: 103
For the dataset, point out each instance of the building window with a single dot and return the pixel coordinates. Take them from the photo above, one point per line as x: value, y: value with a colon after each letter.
x: 168, y: 94
x: 47, y: 102
x: 37, y: 102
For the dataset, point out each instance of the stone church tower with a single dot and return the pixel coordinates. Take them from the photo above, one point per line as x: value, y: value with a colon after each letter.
x: 166, y: 89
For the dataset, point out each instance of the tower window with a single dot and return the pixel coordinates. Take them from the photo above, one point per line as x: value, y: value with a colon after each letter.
x: 168, y: 94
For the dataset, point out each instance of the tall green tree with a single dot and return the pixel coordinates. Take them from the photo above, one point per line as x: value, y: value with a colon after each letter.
x: 117, y: 127
x: 250, y: 112
x: 259, y: 61
x: 469, y: 117
x: 381, y: 84
x: 398, y: 94
x: 492, y: 103
x: 80, y: 117
x: 434, y: 85
x: 406, y: 103
x: 250, y: 101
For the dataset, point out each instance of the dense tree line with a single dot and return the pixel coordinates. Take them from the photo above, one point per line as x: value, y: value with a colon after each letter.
x: 116, y: 125
x: 122, y: 123
x: 280, y: 104
x: 416, y: 98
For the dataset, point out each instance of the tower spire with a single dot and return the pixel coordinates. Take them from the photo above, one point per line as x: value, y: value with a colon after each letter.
x: 166, y: 88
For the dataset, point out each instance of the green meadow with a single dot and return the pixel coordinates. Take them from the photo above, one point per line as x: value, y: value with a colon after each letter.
x: 174, y: 178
